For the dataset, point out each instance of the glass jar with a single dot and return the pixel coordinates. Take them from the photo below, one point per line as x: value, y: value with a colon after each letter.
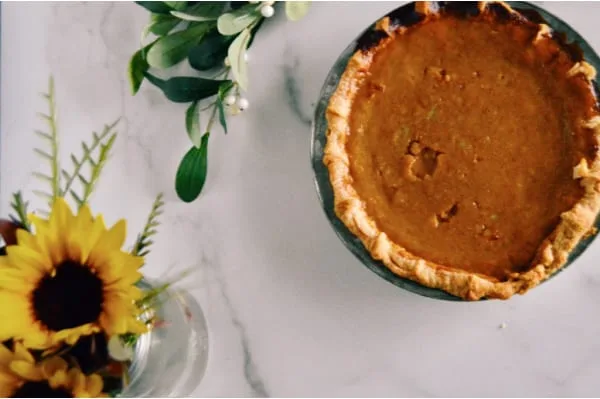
x: 170, y: 360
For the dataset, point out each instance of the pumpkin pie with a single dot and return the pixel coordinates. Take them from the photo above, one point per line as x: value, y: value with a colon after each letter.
x: 462, y: 148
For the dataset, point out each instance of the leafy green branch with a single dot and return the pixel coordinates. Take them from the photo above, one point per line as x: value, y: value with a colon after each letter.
x: 101, y: 143
x: 213, y: 37
x: 104, y: 142
x: 20, y: 207
x: 51, y: 155
x: 143, y: 241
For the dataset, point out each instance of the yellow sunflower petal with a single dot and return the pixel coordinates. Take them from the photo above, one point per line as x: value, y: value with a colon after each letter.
x: 58, y: 379
x: 62, y: 335
x: 26, y: 370
x: 14, y: 314
x: 94, y: 385
x: 119, y: 268
x: 37, y: 339
x: 5, y: 262
x: 5, y: 355
x: 28, y: 259
x: 25, y: 238
x: 61, y: 216
x: 21, y: 353
x: 135, y: 293
x: 76, y: 333
x: 135, y: 326
x: 8, y: 385
x: 115, y: 237
x: 53, y: 365
x: 15, y: 281
x: 76, y: 380
x: 38, y: 223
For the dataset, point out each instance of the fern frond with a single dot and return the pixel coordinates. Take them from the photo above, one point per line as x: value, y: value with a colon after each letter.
x: 98, y: 166
x: 143, y: 241
x: 86, y: 157
x: 52, y: 138
x: 20, y: 208
x: 43, y: 135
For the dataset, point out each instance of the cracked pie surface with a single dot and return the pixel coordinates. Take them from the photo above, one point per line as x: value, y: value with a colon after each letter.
x: 463, y: 150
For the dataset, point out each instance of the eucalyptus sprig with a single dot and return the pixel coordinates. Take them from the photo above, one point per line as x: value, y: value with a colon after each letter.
x: 214, y: 38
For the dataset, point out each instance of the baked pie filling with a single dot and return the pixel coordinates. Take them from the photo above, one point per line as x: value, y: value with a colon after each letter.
x: 463, y: 151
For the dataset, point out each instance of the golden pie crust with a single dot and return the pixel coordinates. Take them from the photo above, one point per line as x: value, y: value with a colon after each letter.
x: 348, y: 160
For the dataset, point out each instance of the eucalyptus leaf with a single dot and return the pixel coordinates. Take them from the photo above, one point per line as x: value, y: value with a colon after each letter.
x: 296, y: 10
x: 189, y: 17
x: 157, y: 7
x: 176, y: 5
x: 185, y: 89
x: 223, y: 90
x: 236, y: 21
x: 255, y: 29
x: 137, y: 67
x: 211, y: 51
x: 207, y: 9
x: 162, y: 24
x: 235, y: 53
x: 172, y: 49
x: 192, y: 123
x: 191, y: 174
x: 135, y: 71
x: 204, y: 11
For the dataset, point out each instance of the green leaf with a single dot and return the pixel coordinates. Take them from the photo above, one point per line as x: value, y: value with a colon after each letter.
x: 206, y: 9
x: 176, y: 5
x: 189, y: 17
x: 236, y: 52
x: 162, y: 24
x: 157, y: 7
x: 211, y: 52
x: 137, y: 66
x: 236, y: 21
x: 185, y: 89
x: 135, y: 71
x: 296, y: 10
x: 191, y: 174
x: 172, y: 49
x: 223, y: 90
x: 192, y: 123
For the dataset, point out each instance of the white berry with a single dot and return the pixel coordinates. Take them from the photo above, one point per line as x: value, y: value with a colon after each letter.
x: 242, y: 103
x: 229, y: 100
x: 267, y: 11
x: 226, y: 62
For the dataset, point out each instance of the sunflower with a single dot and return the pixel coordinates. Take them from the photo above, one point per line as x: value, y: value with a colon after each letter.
x: 21, y: 377
x: 68, y: 279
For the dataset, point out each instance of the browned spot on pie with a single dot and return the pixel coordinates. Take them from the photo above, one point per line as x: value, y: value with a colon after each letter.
x: 446, y: 215
x: 475, y: 116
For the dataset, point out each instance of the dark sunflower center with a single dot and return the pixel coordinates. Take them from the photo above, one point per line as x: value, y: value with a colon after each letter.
x: 41, y: 389
x: 71, y: 298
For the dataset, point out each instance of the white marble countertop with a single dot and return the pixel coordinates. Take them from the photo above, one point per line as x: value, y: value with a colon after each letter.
x: 290, y: 311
